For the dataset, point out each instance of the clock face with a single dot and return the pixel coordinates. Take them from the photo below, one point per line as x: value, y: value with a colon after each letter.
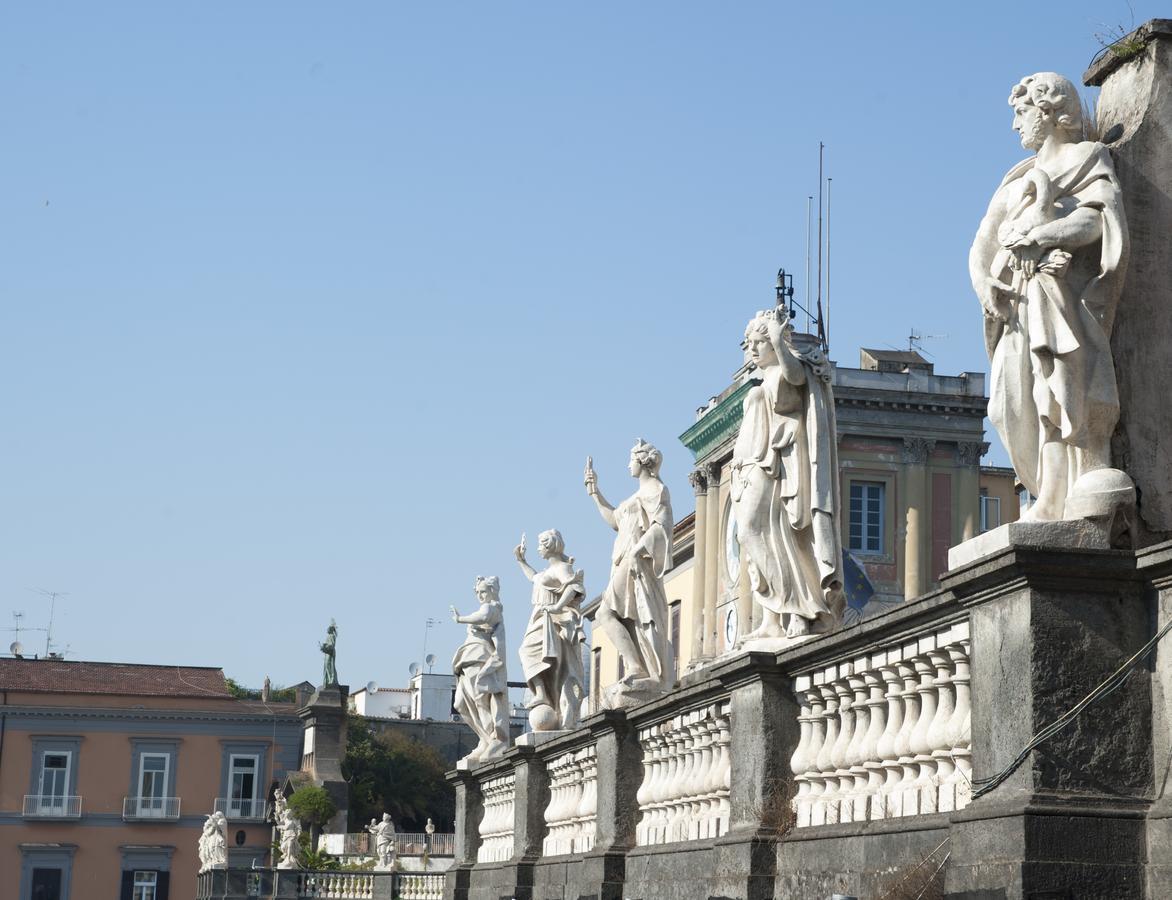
x: 732, y: 551
x: 731, y: 625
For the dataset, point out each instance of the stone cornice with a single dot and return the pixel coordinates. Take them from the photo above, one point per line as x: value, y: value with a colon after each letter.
x: 142, y: 715
x: 718, y: 424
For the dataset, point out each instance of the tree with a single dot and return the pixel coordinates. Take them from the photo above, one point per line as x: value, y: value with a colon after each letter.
x: 388, y: 772
x: 313, y: 805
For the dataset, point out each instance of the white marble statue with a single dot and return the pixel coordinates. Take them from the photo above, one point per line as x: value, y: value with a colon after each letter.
x: 280, y: 804
x: 213, y: 842
x: 1047, y: 264
x: 551, y: 651
x: 784, y: 488
x: 482, y: 679
x: 290, y: 832
x: 383, y: 833
x: 632, y: 610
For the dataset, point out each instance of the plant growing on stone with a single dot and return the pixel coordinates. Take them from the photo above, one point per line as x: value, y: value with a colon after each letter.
x: 314, y: 806
x: 775, y: 810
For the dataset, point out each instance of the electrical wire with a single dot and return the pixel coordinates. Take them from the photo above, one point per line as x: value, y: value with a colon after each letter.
x: 1113, y: 682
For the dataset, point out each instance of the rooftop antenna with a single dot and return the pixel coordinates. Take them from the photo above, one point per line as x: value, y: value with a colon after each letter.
x: 426, y: 630
x: 915, y: 340
x: 809, y: 226
x: 430, y: 660
x: 52, y: 595
x: 826, y: 342
x: 821, y: 329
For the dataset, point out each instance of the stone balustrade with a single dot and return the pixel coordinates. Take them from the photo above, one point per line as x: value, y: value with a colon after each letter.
x: 571, y: 815
x: 420, y: 886
x: 336, y: 885
x: 496, y: 828
x: 684, y: 795
x: 886, y: 733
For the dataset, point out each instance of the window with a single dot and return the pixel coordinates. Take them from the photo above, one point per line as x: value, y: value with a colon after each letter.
x: 152, y: 783
x: 990, y: 513
x: 674, y: 636
x: 242, y: 783
x: 54, y: 779
x: 867, y: 509
x: 146, y: 885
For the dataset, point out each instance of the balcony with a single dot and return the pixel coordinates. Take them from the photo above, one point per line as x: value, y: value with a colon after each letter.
x: 246, y: 809
x: 38, y: 807
x: 153, y: 809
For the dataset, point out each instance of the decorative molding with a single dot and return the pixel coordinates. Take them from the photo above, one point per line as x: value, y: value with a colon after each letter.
x: 917, y: 450
x: 699, y: 480
x: 718, y: 424
x: 969, y: 453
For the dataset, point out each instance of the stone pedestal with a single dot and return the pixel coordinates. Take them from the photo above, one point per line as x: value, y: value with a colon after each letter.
x: 324, y: 722
x: 1048, y: 625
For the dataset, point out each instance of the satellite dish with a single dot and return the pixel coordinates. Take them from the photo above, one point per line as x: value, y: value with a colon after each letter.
x: 372, y: 687
x: 16, y: 649
x: 413, y: 669
x: 430, y: 660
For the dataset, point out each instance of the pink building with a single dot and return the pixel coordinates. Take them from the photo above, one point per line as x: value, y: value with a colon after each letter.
x: 108, y: 771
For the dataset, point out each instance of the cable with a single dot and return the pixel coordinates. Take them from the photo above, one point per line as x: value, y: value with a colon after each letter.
x: 1113, y: 682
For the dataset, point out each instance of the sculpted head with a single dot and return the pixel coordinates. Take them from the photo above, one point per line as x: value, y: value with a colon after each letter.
x: 762, y: 338
x: 488, y: 588
x: 644, y: 458
x: 1045, y: 104
x: 551, y: 545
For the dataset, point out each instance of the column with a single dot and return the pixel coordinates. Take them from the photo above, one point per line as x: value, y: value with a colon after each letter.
x: 915, y: 492
x: 712, y: 570
x: 968, y: 483
x: 699, y: 480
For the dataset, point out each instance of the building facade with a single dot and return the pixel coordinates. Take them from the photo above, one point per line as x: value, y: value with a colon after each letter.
x: 108, y: 772
x: 910, y: 444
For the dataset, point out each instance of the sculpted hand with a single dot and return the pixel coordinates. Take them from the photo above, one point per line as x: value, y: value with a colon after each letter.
x: 455, y: 615
x: 993, y: 300
x: 1055, y: 263
x: 519, y: 550
x: 589, y: 478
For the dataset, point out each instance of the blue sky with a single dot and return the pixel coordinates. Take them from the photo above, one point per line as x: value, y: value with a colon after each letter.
x: 309, y: 310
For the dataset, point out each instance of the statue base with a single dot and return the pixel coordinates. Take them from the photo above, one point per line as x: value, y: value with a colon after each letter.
x: 537, y: 738
x: 1069, y: 534
x: 625, y: 694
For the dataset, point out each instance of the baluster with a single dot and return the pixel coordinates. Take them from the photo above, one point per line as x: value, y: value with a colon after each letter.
x: 799, y: 762
x: 724, y: 777
x: 960, y: 725
x: 699, y: 789
x: 643, y: 794
x: 941, y: 749
x: 811, y: 786
x: 885, y: 804
x: 925, y: 785
x: 846, y: 724
x: 825, y: 810
x: 903, y: 796
x: 869, y: 746
x: 854, y: 757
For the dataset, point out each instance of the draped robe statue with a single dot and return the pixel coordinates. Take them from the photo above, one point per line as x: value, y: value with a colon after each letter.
x: 1047, y: 264
x: 633, y: 608
x: 784, y: 486
x: 482, y: 679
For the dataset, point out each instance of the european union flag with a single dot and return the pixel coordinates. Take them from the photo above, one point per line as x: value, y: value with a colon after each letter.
x: 855, y: 583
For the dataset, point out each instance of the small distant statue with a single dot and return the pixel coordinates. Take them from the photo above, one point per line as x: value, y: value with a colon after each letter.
x: 482, y: 680
x: 290, y: 834
x: 429, y: 828
x: 632, y: 610
x: 266, y: 692
x: 784, y: 488
x: 213, y: 842
x: 280, y: 804
x: 1047, y: 264
x: 329, y: 673
x: 551, y: 651
x: 383, y: 834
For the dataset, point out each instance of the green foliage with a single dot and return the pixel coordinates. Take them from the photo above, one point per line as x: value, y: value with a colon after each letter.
x: 391, y: 773
x: 315, y: 860
x: 239, y: 691
x: 277, y: 694
x: 314, y: 805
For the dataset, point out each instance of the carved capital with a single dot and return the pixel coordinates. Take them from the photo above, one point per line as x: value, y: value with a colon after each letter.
x: 699, y: 480
x: 969, y: 453
x: 712, y: 474
x: 917, y: 450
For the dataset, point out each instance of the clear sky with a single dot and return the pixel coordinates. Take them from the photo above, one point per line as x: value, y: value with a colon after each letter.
x: 309, y: 310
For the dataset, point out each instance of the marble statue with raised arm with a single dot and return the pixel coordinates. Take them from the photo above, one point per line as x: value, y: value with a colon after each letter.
x: 632, y: 610
x: 329, y: 649
x: 383, y: 833
x: 482, y: 679
x: 213, y: 842
x: 551, y: 650
x: 290, y: 832
x: 1047, y: 264
x: 784, y: 488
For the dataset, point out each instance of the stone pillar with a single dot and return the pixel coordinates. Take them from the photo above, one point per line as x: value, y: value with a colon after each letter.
x: 699, y: 479
x: 1048, y: 624
x: 1134, y: 102
x: 765, y: 730
x: 469, y: 812
x: 712, y: 570
x: 620, y: 772
x: 324, y: 717
x: 915, y: 492
x: 968, y: 485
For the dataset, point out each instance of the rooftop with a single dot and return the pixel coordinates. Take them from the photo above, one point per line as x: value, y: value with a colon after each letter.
x: 59, y: 676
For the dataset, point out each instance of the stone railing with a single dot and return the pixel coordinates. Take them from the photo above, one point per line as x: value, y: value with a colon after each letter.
x: 419, y: 886
x: 684, y: 795
x: 496, y: 828
x: 336, y: 885
x: 571, y: 815
x: 886, y: 733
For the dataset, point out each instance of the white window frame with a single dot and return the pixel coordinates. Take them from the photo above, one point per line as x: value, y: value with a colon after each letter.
x: 236, y: 804
x: 152, y: 804
x: 866, y: 532
x: 46, y: 801
x: 986, y: 500
x: 144, y: 880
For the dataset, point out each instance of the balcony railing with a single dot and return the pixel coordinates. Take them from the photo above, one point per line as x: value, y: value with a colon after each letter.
x: 153, y: 808
x: 39, y: 807
x: 246, y: 808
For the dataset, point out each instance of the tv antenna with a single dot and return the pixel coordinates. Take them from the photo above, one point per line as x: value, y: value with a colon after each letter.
x: 915, y: 340
x: 52, y: 595
x: 17, y: 648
